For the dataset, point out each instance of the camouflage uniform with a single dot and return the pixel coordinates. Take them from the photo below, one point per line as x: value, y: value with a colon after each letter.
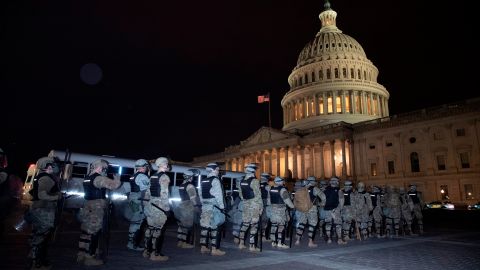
x: 265, y: 218
x: 321, y: 210
x: 139, y: 184
x: 252, y: 207
x: 235, y: 212
x: 45, y: 194
x: 348, y: 210
x: 213, y: 205
x: 363, y: 206
x: 376, y: 215
x: 156, y: 211
x: 407, y: 209
x: 279, y: 199
x: 93, y: 212
x: 418, y: 205
x: 185, y: 211
x: 311, y: 216
x: 333, y: 208
x: 392, y: 211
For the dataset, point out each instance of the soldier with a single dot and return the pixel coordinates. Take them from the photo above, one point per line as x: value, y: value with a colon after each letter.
x: 376, y: 215
x: 252, y: 207
x: 94, y: 210
x: 279, y: 199
x: 321, y: 210
x: 156, y: 211
x: 213, y: 207
x: 348, y: 210
x: 363, y: 206
x: 406, y: 213
x: 310, y: 217
x: 265, y: 218
x: 418, y: 205
x: 139, y: 184
x: 391, y: 210
x: 333, y: 208
x: 45, y: 195
x: 235, y: 212
x: 185, y: 211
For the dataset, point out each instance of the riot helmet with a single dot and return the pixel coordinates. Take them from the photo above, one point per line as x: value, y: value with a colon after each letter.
x: 100, y: 163
x: 360, y: 187
x: 264, y: 177
x: 44, y: 162
x: 334, y: 182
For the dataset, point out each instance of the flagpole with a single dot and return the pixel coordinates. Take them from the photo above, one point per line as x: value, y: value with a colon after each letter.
x: 269, y: 114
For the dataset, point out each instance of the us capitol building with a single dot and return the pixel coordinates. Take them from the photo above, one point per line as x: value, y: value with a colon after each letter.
x: 336, y: 122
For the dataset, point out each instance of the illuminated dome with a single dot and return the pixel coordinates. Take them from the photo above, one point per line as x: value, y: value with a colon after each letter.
x: 333, y: 81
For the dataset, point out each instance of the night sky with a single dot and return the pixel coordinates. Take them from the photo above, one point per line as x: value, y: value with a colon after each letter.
x: 143, y: 79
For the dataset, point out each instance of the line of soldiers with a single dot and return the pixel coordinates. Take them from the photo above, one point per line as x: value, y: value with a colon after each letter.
x: 262, y: 210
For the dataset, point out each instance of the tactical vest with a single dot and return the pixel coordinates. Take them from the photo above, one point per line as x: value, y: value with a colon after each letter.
x: 332, y: 198
x: 206, y: 185
x: 346, y: 195
x: 133, y: 185
x: 373, y: 196
x: 263, y: 190
x: 275, y: 197
x: 414, y: 196
x: 92, y: 192
x: 155, y: 188
x: 364, y: 198
x: 182, y: 190
x: 34, y: 190
x: 247, y: 190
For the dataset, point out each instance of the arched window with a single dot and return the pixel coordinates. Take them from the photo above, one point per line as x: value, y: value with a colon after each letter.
x: 306, y: 78
x: 414, y: 162
x: 313, y: 76
x: 328, y: 74
x: 336, y: 73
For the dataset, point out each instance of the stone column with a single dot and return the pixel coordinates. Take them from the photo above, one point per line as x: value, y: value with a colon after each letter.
x: 286, y: 161
x: 315, y: 104
x: 343, y: 101
x: 322, y: 163
x: 344, y: 160
x: 364, y: 103
x: 305, y: 107
x: 294, y: 159
x: 325, y: 103
x: 332, y: 156
x: 334, y: 102
x: 277, y: 173
x: 379, y: 113
x: 270, y: 161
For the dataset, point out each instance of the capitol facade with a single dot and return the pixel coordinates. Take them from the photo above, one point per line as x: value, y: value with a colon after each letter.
x: 336, y: 122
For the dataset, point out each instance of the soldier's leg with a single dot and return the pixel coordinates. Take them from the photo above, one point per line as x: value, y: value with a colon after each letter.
x: 133, y: 235
x: 388, y: 226
x: 253, y: 236
x: 204, y: 239
x: 148, y: 241
x: 243, y: 231
x: 281, y: 234
x: 299, y: 232
x: 214, y: 235
x: 157, y: 243
x: 181, y: 235
x: 273, y: 233
x: 396, y: 226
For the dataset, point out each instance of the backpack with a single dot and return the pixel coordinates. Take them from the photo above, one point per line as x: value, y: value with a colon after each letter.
x: 302, y: 200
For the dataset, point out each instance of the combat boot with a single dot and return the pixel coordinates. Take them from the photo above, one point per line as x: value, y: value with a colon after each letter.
x: 253, y: 248
x: 131, y: 246
x: 341, y: 242
x: 91, y: 260
x: 297, y: 242
x: 158, y: 257
x: 186, y: 245
x: 146, y: 253
x: 204, y: 250
x: 80, y: 256
x: 242, y: 245
x: 282, y: 245
x: 217, y: 252
x: 236, y: 240
x: 311, y: 244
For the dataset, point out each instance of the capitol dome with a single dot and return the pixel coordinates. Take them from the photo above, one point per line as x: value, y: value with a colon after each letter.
x: 333, y: 81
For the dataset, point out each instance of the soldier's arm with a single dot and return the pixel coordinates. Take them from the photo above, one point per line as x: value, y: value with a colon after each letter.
x: 44, y: 185
x: 217, y: 192
x: 341, y: 200
x: 142, y: 181
x: 164, y: 182
x: 3, y: 177
x: 192, y: 193
x: 323, y: 198
x: 286, y: 198
x: 256, y: 191
x: 240, y: 190
x: 369, y: 201
x: 108, y: 183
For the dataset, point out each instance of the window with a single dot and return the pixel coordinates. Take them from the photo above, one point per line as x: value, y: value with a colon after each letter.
x: 441, y: 162
x: 338, y: 103
x: 329, y: 75
x: 352, y: 73
x: 414, y: 162
x: 347, y: 103
x: 373, y: 169
x: 320, y: 75
x: 464, y: 160
x: 359, y: 75
x: 306, y: 78
x: 336, y: 73
x: 344, y: 72
x: 444, y: 192
x: 438, y: 136
x: 320, y: 105
x: 388, y: 144
x: 330, y: 105
x: 313, y: 76
x: 371, y: 146
x: 391, y: 167
x: 412, y: 140
x: 469, y: 192
x: 460, y: 132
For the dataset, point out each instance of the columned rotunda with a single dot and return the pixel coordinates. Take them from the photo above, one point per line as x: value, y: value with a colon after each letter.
x: 336, y: 122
